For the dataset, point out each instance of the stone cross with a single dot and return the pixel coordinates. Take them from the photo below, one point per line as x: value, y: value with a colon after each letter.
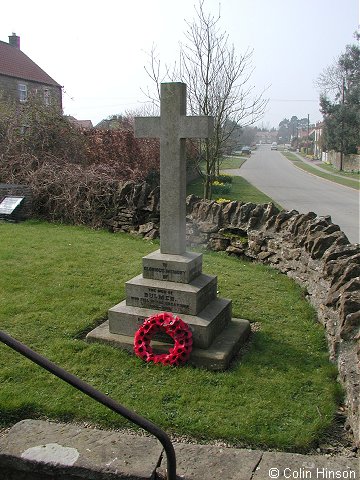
x: 173, y: 127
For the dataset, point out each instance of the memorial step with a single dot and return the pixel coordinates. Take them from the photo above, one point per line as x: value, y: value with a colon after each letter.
x: 217, y: 357
x: 125, y: 320
x: 183, y: 298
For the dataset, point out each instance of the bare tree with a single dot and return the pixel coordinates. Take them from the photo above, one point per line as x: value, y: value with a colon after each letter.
x: 218, y: 83
x: 157, y: 75
x: 332, y: 81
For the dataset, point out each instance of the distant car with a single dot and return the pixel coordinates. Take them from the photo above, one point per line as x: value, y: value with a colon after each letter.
x: 273, y: 146
x: 246, y: 150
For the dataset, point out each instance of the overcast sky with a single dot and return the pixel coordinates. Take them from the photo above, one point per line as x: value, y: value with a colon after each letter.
x: 98, y: 49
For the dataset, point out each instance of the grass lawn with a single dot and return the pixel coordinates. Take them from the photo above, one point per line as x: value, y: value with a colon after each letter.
x: 352, y: 181
x: 58, y: 281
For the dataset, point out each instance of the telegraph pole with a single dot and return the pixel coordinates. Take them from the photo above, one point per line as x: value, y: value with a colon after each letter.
x: 342, y: 125
x: 308, y: 133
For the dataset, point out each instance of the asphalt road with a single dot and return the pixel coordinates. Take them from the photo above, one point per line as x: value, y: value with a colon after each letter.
x: 293, y: 188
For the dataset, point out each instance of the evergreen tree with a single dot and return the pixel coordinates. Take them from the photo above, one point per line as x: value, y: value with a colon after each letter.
x: 340, y: 102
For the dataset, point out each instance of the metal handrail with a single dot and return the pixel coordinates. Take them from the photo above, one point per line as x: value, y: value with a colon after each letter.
x: 98, y: 396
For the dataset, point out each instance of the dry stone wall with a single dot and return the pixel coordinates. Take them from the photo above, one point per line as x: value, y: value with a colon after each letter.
x: 349, y: 163
x: 310, y: 249
x: 138, y: 210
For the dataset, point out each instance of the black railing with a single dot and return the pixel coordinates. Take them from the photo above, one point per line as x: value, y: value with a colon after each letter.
x: 99, y: 397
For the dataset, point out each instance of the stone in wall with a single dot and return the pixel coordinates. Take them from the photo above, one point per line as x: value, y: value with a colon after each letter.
x: 218, y: 242
x: 137, y: 209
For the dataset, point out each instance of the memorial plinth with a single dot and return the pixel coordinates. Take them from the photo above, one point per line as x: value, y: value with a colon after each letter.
x: 172, y: 278
x: 174, y: 268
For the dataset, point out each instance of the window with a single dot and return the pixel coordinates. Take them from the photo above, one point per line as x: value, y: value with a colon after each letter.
x: 22, y: 92
x: 47, y: 98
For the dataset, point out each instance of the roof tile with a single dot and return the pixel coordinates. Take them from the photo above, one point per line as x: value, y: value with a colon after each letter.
x: 14, y: 63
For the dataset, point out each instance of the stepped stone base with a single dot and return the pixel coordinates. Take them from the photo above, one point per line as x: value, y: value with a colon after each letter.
x: 125, y: 320
x: 175, y: 283
x: 216, y: 357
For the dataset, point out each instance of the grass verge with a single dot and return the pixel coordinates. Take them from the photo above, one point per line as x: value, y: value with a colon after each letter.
x: 330, y: 168
x: 241, y: 190
x: 232, y: 162
x: 348, y: 182
x: 58, y: 281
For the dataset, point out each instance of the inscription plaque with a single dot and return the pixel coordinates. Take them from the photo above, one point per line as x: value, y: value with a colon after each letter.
x: 8, y: 205
x: 172, y: 268
x: 170, y: 296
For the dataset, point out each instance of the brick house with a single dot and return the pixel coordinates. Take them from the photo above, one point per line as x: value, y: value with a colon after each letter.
x: 21, y: 78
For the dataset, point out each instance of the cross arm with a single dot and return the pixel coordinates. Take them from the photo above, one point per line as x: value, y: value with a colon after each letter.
x: 196, y: 126
x: 147, y: 127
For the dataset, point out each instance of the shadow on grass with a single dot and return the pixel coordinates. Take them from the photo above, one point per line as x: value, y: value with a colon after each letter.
x: 81, y: 334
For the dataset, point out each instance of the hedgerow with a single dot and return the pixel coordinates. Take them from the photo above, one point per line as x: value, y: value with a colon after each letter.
x: 74, y: 174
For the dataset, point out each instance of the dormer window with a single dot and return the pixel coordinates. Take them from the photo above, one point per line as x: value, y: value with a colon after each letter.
x: 23, y: 94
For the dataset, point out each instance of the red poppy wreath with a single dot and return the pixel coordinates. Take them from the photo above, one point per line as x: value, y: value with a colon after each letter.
x: 176, y: 328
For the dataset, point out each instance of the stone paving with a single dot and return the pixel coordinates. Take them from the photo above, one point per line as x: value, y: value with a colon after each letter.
x: 40, y: 450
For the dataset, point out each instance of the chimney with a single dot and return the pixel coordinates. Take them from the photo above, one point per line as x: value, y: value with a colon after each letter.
x: 14, y: 40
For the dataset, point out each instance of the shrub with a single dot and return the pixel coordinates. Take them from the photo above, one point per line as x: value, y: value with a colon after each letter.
x: 35, y: 130
x: 224, y: 178
x: 220, y: 188
x: 75, y: 175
